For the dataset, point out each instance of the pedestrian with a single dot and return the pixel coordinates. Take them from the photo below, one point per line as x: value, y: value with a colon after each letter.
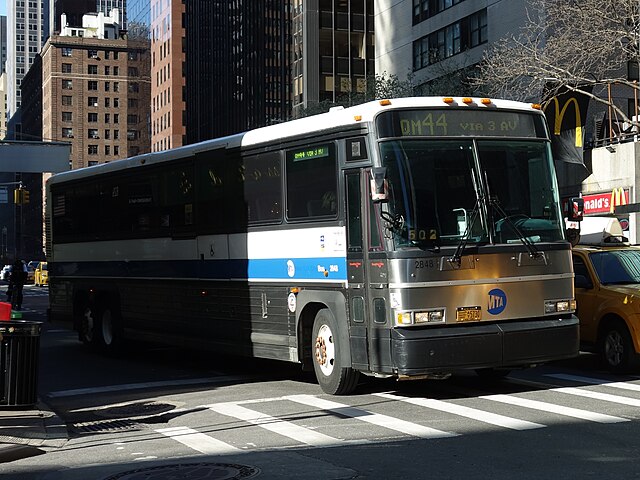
x: 17, y: 279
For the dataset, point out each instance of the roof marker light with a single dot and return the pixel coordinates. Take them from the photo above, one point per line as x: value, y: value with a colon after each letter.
x: 537, y: 106
x: 357, y: 118
x: 385, y: 102
x: 485, y: 101
x: 447, y: 99
x: 467, y: 100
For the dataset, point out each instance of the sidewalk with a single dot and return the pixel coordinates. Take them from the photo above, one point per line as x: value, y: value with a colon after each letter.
x: 28, y: 432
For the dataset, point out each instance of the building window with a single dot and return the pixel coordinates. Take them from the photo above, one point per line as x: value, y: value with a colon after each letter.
x: 116, y: 134
x: 107, y: 134
x: 92, y: 85
x: 132, y: 119
x: 107, y: 102
x: 67, y: 132
x: 92, y: 133
x: 116, y: 102
x: 67, y: 51
x: 107, y: 70
x: 107, y: 86
x: 92, y: 117
x: 116, y: 86
x: 423, y: 9
x: 134, y: 87
x: 107, y: 54
x: 67, y: 84
x: 107, y: 150
x: 116, y: 150
x: 67, y: 116
x: 92, y: 69
x: 451, y: 40
x: 92, y: 53
x: 67, y: 100
x: 66, y: 68
x: 116, y: 71
x: 116, y: 118
x: 92, y: 150
x: 93, y: 102
x: 107, y: 118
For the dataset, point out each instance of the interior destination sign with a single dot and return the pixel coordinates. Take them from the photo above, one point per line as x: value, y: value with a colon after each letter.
x: 459, y: 122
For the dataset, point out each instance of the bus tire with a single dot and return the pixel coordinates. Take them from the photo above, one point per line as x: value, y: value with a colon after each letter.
x: 616, y: 347
x: 332, y: 376
x: 108, y: 329
x: 86, y: 324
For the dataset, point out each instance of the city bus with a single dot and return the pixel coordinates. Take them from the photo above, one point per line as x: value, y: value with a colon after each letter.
x: 406, y: 238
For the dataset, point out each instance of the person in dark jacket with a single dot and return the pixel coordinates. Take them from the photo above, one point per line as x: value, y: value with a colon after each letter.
x: 17, y: 280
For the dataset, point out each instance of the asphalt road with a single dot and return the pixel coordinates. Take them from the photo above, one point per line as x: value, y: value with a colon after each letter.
x: 162, y: 413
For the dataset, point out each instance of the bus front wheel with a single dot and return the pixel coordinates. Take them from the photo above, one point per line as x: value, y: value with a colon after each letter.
x: 333, y: 377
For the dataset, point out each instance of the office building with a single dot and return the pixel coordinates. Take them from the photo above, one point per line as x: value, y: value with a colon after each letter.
x: 332, y: 52
x: 430, y: 39
x: 93, y: 80
x: 3, y: 43
x: 27, y: 30
x: 236, y: 66
x: 108, y: 6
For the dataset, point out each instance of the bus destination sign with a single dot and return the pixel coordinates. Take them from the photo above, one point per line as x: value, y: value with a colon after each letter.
x: 459, y: 122
x: 310, y: 153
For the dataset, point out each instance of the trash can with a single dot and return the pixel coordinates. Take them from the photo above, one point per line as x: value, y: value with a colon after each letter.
x: 19, y: 353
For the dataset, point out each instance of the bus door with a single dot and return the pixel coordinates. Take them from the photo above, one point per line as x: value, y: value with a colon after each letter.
x: 365, y: 269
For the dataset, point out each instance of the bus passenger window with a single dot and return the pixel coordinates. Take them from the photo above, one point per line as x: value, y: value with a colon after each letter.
x: 312, y: 182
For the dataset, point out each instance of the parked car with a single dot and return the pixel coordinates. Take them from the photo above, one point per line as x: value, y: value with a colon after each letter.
x: 607, y: 283
x: 5, y: 273
x: 41, y: 275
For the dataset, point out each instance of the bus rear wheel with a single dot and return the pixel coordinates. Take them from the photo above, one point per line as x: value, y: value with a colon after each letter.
x: 333, y: 377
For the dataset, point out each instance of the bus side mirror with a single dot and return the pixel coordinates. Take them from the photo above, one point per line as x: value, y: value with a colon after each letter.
x: 379, y: 184
x: 576, y: 209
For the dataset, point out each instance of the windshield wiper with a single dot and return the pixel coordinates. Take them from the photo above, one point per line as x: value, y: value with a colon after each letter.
x: 533, y: 251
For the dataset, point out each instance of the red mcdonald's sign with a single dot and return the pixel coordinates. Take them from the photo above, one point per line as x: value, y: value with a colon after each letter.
x: 605, y: 202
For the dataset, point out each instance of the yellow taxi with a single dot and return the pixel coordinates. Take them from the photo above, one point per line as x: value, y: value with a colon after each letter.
x: 607, y: 289
x: 41, y: 275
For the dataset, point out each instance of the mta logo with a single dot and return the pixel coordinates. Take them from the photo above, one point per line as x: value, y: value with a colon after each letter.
x: 497, y: 301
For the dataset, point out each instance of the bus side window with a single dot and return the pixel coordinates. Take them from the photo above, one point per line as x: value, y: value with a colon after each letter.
x: 354, y: 219
x: 312, y: 182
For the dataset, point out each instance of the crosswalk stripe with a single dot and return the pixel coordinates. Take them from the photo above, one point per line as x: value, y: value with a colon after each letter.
x: 595, y: 381
x: 385, y: 421
x: 198, y: 441
x: 599, y: 396
x: 460, y: 410
x: 553, y: 408
x: 273, y: 424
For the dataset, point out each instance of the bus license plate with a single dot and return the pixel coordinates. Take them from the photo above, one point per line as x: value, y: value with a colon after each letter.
x: 468, y: 314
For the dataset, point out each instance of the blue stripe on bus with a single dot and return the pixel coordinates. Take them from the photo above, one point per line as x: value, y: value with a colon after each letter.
x: 237, y: 269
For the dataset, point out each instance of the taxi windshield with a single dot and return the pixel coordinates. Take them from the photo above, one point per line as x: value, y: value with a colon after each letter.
x: 617, y: 267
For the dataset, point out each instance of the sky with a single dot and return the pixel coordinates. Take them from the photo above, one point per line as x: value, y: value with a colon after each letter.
x: 3, y: 7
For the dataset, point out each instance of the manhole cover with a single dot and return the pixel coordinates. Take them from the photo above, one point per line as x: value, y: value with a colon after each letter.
x: 135, y: 410
x: 189, y: 471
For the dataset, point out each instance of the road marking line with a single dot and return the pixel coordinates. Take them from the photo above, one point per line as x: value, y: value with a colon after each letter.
x: 385, y: 421
x: 480, y: 415
x: 595, y: 381
x: 599, y: 396
x: 198, y: 441
x: 553, y: 408
x: 273, y: 424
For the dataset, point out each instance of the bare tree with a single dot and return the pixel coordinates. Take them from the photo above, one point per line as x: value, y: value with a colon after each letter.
x: 575, y: 45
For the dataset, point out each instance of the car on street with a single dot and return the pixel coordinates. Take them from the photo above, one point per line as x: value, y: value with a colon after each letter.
x: 41, y: 275
x: 607, y: 289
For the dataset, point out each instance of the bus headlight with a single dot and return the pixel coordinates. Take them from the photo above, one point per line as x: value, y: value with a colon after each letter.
x: 559, y: 306
x: 435, y: 315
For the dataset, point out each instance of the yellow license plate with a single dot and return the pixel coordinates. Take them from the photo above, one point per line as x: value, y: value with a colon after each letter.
x: 468, y: 314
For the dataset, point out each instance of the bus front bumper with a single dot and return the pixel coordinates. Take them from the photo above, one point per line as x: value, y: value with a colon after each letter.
x: 497, y: 345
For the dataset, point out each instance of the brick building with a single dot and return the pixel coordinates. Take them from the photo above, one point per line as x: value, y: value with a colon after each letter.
x: 94, y: 81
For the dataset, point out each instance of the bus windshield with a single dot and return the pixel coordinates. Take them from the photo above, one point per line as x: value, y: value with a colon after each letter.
x: 442, y: 192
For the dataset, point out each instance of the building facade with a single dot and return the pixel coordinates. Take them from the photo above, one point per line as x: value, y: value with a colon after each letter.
x: 429, y: 39
x: 27, y: 31
x: 237, y: 66
x: 107, y: 6
x: 92, y: 93
x: 168, y: 107
x: 333, y: 50
x: 3, y: 43
x: 73, y: 10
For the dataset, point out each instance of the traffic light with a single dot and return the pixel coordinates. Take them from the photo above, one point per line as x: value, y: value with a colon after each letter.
x: 20, y: 196
x: 17, y: 196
